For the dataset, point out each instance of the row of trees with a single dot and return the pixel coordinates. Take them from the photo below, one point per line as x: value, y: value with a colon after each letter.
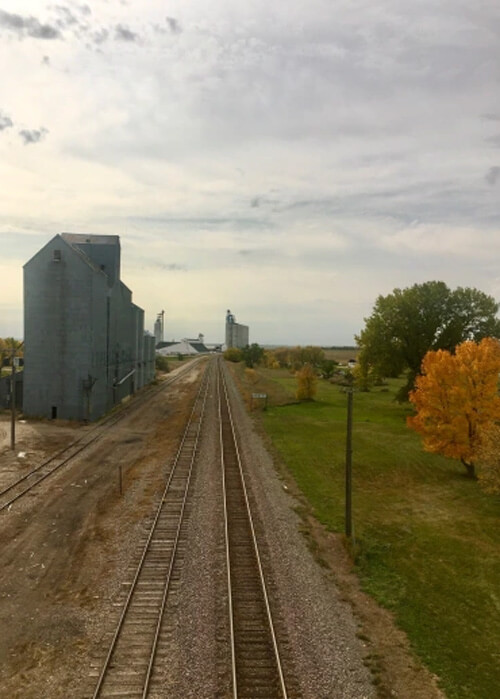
x: 293, y: 358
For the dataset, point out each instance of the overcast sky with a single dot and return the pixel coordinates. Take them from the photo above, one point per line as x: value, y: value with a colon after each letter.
x: 290, y: 161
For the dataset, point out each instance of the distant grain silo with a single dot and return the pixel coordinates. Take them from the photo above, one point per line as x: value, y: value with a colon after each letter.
x: 236, y: 334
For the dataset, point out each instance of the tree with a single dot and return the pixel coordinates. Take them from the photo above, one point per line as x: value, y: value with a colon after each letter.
x: 282, y: 356
x: 233, y: 354
x: 252, y: 354
x: 489, y: 459
x: 306, y: 383
x: 300, y: 356
x: 456, y: 398
x: 410, y: 322
x: 9, y: 347
x: 328, y: 367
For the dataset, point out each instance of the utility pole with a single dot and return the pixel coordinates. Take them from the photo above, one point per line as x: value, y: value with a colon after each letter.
x: 13, y: 405
x: 13, y: 350
x: 348, y: 466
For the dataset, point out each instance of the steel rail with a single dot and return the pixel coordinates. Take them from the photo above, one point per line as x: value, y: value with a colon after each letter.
x: 42, y: 477
x: 166, y: 589
x: 102, y: 427
x: 271, y: 629
x: 226, y: 539
x: 199, y: 404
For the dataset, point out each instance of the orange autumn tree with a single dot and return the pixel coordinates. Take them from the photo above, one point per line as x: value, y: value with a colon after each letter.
x: 456, y: 397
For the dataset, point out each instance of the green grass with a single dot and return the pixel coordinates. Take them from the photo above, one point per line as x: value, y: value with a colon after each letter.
x: 427, y: 538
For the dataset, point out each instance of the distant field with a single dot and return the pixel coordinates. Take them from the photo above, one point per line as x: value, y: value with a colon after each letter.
x: 342, y: 354
x: 427, y: 538
x: 339, y: 354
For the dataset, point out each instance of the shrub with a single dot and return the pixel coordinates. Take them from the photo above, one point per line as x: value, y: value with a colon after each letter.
x: 161, y: 363
x: 233, y: 354
x: 306, y: 383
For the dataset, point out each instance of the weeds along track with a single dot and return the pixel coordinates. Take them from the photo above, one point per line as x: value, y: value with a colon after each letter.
x: 129, y: 664
x: 256, y: 659
x: 13, y: 487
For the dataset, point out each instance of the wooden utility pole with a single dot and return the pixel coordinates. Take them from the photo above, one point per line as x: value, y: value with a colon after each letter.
x: 13, y: 351
x: 348, y: 467
x: 13, y: 404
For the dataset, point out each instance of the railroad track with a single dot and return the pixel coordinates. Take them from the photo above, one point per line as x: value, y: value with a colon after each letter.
x: 13, y: 487
x: 256, y: 661
x: 129, y: 665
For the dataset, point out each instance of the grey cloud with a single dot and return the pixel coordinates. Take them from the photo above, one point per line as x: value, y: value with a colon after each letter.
x: 124, y: 34
x: 33, y: 135
x: 203, y: 223
x: 259, y: 200
x: 493, y: 175
x: 429, y: 202
x: 174, y: 267
x: 263, y: 256
x: 495, y: 140
x: 173, y: 25
x: 100, y: 36
x: 85, y: 9
x: 5, y: 122
x: 28, y: 26
x: 491, y: 117
x: 67, y: 17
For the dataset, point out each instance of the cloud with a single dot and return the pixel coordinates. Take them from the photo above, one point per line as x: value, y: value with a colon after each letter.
x: 100, y: 36
x: 124, y: 34
x: 5, y: 122
x: 493, y: 175
x: 495, y: 140
x: 173, y: 25
x: 33, y: 135
x: 260, y: 200
x: 45, y: 61
x: 174, y: 267
x: 28, y: 26
x: 67, y: 17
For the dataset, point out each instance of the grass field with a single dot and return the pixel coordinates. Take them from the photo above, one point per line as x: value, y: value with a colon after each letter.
x: 427, y: 539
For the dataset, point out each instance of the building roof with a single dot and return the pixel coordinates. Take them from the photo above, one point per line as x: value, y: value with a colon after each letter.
x: 180, y: 347
x: 199, y: 346
x: 75, y: 238
x: 88, y: 261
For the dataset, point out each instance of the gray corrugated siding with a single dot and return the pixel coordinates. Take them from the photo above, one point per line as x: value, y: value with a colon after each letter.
x: 81, y: 334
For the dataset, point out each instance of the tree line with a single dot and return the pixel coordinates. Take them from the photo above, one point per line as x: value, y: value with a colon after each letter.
x: 446, y: 344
